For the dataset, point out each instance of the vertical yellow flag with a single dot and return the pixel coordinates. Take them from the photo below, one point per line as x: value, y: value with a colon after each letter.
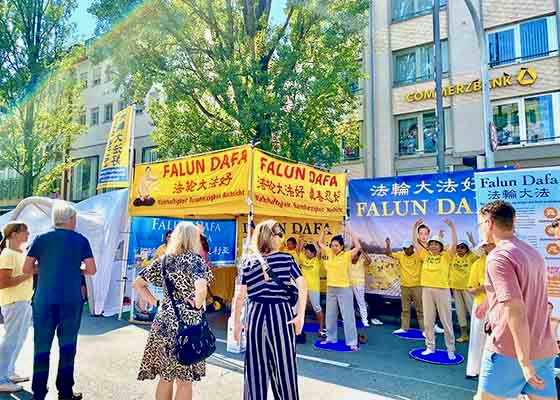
x: 115, y: 167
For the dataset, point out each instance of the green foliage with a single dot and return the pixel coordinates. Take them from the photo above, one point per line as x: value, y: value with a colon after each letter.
x: 231, y: 74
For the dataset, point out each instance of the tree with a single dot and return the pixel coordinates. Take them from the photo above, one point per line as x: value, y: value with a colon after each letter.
x: 33, y: 36
x: 231, y: 74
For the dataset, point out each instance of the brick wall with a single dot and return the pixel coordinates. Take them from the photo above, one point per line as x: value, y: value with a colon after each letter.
x: 502, y: 12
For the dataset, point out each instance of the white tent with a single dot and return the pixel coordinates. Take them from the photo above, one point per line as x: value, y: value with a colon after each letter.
x: 102, y: 220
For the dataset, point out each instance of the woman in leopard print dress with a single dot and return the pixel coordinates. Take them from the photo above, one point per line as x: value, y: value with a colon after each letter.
x: 189, y: 275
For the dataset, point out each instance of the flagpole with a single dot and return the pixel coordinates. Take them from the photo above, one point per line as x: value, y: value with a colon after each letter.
x: 124, y: 266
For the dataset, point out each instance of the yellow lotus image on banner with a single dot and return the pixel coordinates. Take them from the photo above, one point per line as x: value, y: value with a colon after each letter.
x: 209, y: 184
x: 285, y: 188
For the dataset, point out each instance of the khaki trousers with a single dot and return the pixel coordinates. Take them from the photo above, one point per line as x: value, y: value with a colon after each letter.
x: 437, y: 300
x: 463, y: 305
x: 411, y: 295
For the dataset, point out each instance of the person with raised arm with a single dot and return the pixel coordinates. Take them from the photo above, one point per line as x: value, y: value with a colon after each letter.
x: 436, y: 295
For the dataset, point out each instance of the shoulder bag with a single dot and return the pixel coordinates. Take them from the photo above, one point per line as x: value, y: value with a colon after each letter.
x: 193, y: 343
x: 269, y: 274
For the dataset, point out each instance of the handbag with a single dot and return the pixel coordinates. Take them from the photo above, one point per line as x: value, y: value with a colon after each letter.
x: 193, y: 343
x: 269, y: 274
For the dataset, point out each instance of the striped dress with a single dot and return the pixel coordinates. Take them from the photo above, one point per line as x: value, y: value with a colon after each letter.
x: 271, y: 346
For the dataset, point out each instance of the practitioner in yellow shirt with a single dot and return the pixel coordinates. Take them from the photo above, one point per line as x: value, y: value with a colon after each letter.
x: 311, y: 269
x: 292, y: 248
x: 436, y: 296
x: 477, y: 280
x: 358, y: 281
x: 411, y: 290
x: 339, y: 290
x: 458, y: 280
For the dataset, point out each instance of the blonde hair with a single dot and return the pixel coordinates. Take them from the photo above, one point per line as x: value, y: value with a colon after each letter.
x: 9, y: 229
x: 262, y: 236
x: 185, y: 237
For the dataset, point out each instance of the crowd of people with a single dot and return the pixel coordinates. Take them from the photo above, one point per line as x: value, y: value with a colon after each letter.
x: 501, y: 283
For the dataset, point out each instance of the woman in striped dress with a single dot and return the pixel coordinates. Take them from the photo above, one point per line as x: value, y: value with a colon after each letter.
x: 271, y: 324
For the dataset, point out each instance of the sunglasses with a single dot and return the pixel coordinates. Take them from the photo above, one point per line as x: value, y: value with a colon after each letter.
x: 556, y: 224
x: 279, y: 234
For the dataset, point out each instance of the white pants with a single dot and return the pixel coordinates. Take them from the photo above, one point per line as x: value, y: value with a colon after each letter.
x: 315, y: 300
x: 477, y: 343
x: 360, y: 296
x: 17, y: 320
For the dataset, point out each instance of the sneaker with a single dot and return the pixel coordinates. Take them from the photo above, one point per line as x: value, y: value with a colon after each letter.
x: 463, y: 339
x: 365, y: 323
x: 451, y: 355
x: 10, y: 388
x: 74, y: 396
x: 375, y: 321
x: 323, y: 333
x: 437, y: 329
x: 427, y: 352
x: 400, y: 331
x: 15, y: 378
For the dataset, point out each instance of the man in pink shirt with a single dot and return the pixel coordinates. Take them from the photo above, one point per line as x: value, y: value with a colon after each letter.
x: 520, y: 352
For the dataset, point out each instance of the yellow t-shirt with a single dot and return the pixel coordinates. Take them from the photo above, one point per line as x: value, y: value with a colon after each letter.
x: 337, y: 266
x: 410, y: 268
x: 293, y: 253
x: 478, y: 278
x: 311, y: 270
x: 357, y: 274
x: 460, y: 270
x: 10, y: 259
x: 435, y: 269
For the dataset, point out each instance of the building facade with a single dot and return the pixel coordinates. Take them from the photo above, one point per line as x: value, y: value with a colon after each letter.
x: 399, y: 103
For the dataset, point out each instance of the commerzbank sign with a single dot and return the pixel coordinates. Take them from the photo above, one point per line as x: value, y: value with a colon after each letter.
x: 525, y: 77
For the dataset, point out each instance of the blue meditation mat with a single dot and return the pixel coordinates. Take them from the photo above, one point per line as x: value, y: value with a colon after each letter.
x: 439, y: 357
x: 411, y: 334
x: 338, y: 346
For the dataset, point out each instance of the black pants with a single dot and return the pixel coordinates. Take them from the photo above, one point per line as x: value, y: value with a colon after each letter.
x: 64, y: 319
x: 375, y: 303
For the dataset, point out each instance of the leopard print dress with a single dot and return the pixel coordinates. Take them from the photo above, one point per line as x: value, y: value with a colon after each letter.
x: 158, y: 358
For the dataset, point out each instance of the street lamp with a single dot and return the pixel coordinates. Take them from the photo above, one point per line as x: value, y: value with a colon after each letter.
x: 485, y: 78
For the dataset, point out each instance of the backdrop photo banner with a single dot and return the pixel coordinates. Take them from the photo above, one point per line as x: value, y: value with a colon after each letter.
x: 210, y: 184
x: 388, y: 208
x: 285, y: 188
x: 148, y: 233
x: 535, y: 194
x: 115, y: 166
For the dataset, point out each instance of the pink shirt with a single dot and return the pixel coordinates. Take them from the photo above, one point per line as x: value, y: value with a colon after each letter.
x: 515, y: 270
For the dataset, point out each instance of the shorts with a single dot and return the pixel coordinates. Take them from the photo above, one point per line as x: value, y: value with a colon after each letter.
x: 315, y: 300
x: 502, y: 376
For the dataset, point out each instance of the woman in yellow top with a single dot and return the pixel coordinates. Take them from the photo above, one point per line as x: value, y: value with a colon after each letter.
x: 339, y: 290
x: 477, y: 280
x: 311, y: 269
x: 458, y: 280
x: 436, y: 296
x: 16, y: 289
x: 358, y: 281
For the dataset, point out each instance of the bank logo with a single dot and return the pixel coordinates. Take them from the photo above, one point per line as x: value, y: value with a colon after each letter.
x: 527, y: 76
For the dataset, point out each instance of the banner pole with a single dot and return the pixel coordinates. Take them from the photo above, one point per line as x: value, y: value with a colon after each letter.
x: 250, y: 202
x: 124, y: 266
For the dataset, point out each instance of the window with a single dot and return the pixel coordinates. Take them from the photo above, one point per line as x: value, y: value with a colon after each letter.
x: 94, y: 116
x: 82, y: 119
x: 84, y: 178
x: 84, y: 79
x: 410, y: 140
x: 96, y: 76
x: 527, y: 120
x: 149, y: 154
x: 108, y: 74
x: 522, y: 42
x: 108, y: 115
x: 406, y: 9
x: 416, y: 64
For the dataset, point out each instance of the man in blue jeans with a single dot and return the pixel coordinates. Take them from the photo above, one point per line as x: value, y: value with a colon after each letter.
x: 56, y: 257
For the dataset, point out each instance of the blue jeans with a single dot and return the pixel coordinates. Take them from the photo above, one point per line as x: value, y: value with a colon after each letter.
x: 64, y: 319
x: 17, y: 319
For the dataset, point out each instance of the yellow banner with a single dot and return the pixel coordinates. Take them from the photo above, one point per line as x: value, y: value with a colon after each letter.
x: 115, y: 165
x: 281, y: 187
x: 205, y: 185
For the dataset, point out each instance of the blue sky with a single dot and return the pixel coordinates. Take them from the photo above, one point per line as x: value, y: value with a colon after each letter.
x: 85, y: 22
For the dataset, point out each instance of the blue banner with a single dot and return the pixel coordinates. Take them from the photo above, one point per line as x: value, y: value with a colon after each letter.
x: 388, y: 208
x: 148, y: 233
x: 535, y: 194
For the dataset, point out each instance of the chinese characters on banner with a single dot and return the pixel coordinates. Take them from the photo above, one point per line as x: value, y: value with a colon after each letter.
x: 389, y: 207
x: 210, y: 184
x: 115, y: 165
x: 535, y: 194
x: 285, y: 188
